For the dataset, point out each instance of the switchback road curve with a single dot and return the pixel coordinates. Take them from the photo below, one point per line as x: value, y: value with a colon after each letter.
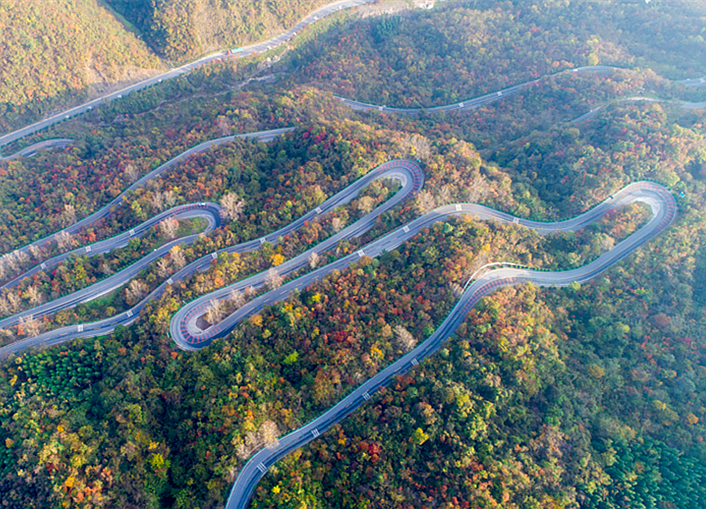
x: 656, y: 196
x: 205, y: 210
x: 183, y: 328
x: 408, y: 173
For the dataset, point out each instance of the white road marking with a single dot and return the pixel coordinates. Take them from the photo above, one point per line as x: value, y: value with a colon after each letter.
x: 366, y: 396
x: 43, y: 266
x: 129, y: 313
x: 170, y: 281
x: 415, y: 362
x: 214, y: 255
x: 88, y: 249
x: 406, y: 229
x: 516, y: 220
x: 80, y: 328
x: 460, y: 105
x: 315, y: 432
x: 458, y: 207
x: 361, y: 254
x: 132, y: 232
x: 262, y: 468
x: 500, y: 93
x: 318, y: 210
x: 263, y: 240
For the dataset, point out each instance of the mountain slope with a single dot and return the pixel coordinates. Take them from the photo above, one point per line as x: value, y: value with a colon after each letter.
x: 53, y: 51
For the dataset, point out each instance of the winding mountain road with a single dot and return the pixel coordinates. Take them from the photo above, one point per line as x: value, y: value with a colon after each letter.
x: 185, y: 331
x: 663, y: 213
x: 184, y: 327
x: 408, y: 173
x: 475, y: 102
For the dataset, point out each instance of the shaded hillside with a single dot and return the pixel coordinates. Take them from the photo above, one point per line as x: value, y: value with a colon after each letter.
x: 56, y: 51
x: 177, y: 29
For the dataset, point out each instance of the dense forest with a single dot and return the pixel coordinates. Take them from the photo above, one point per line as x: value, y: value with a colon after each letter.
x: 586, y: 396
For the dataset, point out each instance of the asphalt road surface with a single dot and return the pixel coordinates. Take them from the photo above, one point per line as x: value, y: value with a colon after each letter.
x: 693, y: 82
x: 174, y: 73
x: 33, y: 149
x: 205, y: 210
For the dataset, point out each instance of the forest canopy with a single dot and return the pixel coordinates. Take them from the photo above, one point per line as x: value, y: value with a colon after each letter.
x: 592, y: 395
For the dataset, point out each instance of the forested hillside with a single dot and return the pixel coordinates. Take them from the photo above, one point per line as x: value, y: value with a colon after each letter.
x: 54, y: 52
x: 57, y: 53
x: 462, y: 50
x: 589, y: 396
